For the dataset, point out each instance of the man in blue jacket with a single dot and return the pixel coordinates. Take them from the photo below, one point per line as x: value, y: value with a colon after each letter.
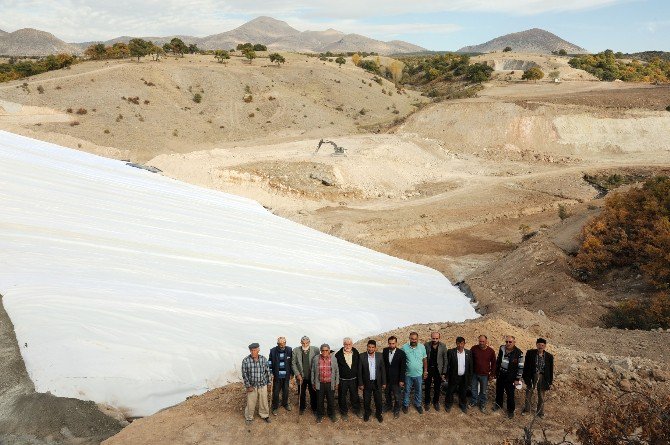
x: 279, y: 361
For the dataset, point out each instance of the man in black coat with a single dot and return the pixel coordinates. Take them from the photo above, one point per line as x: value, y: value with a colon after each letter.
x: 279, y: 362
x: 372, y: 380
x: 459, y: 374
x: 538, y: 373
x: 394, y: 364
x: 347, y: 361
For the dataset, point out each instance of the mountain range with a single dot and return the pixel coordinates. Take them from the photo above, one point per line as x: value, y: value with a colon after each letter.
x: 275, y: 34
x: 534, y: 40
x: 278, y: 35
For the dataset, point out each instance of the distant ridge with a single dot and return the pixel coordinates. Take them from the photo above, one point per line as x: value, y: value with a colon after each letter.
x: 534, y: 40
x: 280, y: 36
x: 277, y: 35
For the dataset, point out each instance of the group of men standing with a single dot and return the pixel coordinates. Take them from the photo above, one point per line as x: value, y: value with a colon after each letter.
x: 391, y: 377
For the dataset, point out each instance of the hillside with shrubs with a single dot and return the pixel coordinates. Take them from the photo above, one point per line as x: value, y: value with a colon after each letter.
x: 610, y: 66
x: 632, y: 233
x: 445, y: 76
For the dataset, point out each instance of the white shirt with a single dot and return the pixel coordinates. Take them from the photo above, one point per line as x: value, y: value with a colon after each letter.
x: 371, y: 366
x: 461, y: 362
x: 391, y: 354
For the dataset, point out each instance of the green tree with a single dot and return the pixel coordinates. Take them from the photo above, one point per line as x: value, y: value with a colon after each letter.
x: 96, y: 51
x: 139, y: 48
x: 178, y: 46
x: 156, y: 51
x: 250, y: 54
x: 193, y: 48
x: 507, y: 49
x: 277, y: 58
x: 534, y: 73
x: 259, y: 47
x: 340, y: 61
x: 478, y: 72
x: 562, y: 52
x: 221, y: 55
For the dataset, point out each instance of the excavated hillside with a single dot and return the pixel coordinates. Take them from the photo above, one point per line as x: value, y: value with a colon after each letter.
x: 470, y: 187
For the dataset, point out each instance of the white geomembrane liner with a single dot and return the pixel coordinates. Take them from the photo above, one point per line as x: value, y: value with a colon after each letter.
x: 132, y: 289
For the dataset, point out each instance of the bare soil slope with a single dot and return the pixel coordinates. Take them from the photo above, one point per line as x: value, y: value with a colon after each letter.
x: 456, y: 186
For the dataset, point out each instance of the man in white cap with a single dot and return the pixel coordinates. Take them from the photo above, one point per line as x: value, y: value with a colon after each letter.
x: 301, y: 363
x: 256, y: 377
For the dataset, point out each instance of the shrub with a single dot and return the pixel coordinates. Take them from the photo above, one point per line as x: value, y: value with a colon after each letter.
x: 197, y: 98
x: 277, y: 58
x: 632, y: 231
x: 507, y: 49
x: 82, y: 111
x: 74, y: 123
x: 340, y: 61
x: 377, y: 79
x: 478, y: 72
x: 562, y: 52
x: 69, y: 110
x: 370, y: 65
x: 636, y: 418
x: 146, y: 102
x: 252, y: 114
x: 40, y: 89
x: 534, y: 73
x: 106, y: 131
x: 667, y: 108
x: 562, y: 212
x: 248, y: 98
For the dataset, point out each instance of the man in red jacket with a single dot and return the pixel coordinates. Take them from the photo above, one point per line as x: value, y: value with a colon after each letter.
x: 484, y: 360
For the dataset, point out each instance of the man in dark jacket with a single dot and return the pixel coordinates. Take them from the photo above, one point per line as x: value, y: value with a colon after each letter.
x: 538, y: 373
x: 509, y: 370
x: 372, y: 380
x: 394, y: 364
x: 459, y: 374
x: 437, y: 367
x: 279, y: 361
x: 347, y: 361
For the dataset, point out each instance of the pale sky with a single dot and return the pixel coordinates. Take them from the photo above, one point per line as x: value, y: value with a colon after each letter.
x: 622, y: 25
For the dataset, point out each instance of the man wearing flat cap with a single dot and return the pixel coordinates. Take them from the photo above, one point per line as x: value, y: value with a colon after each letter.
x: 538, y: 374
x: 256, y: 377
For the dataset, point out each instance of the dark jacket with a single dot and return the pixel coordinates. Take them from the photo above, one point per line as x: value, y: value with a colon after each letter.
x: 441, y: 356
x: 347, y: 373
x: 515, y: 367
x: 274, y: 362
x: 452, y: 365
x: 364, y: 370
x: 530, y: 365
x: 395, y: 371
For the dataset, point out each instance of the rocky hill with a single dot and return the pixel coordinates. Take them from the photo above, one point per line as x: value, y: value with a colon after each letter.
x: 531, y: 41
x: 279, y: 35
x: 33, y: 42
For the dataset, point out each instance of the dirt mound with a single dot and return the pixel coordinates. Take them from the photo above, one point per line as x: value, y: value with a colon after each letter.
x: 656, y: 98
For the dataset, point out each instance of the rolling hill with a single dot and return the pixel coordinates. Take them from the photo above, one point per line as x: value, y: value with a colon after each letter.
x: 531, y: 41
